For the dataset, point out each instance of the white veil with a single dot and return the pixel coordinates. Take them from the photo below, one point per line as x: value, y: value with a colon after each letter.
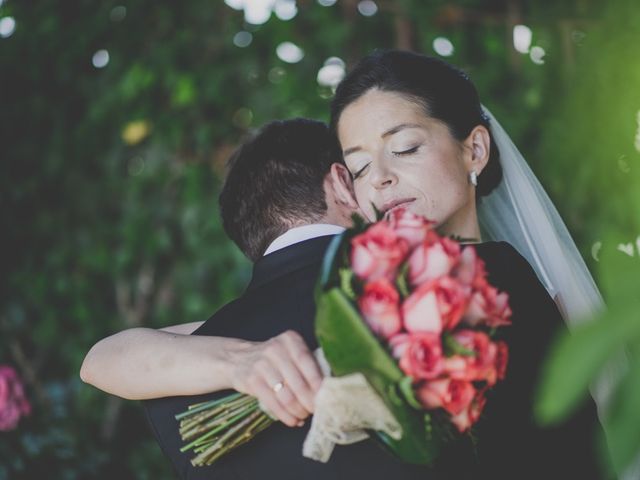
x: 520, y: 212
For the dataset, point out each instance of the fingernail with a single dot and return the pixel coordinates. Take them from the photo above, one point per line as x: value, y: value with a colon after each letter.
x: 301, y: 423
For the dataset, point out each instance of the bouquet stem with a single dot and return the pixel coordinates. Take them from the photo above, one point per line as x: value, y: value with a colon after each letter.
x: 217, y: 427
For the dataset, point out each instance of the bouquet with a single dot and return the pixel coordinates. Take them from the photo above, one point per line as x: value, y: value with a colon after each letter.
x: 406, y: 321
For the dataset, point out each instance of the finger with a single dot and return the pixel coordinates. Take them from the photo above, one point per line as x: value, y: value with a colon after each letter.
x: 304, y: 359
x: 298, y: 386
x: 266, y: 395
x: 291, y: 403
x: 308, y: 366
x: 272, y: 374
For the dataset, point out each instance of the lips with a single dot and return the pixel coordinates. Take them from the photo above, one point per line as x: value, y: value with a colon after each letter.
x: 393, y: 204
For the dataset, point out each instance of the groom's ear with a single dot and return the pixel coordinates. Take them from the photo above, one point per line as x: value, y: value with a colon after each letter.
x: 343, y: 186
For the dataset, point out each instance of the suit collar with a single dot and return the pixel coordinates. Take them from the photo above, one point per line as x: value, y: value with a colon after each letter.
x: 302, y: 233
x: 289, y: 259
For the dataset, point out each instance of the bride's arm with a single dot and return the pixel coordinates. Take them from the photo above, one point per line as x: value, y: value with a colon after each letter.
x: 143, y: 363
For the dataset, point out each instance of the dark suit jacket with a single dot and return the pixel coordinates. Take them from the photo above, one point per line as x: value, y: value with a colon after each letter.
x: 280, y: 297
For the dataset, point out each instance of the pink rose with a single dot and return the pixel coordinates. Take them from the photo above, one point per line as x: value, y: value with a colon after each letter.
x: 380, y: 306
x: 470, y: 415
x: 13, y: 403
x: 413, y: 228
x: 434, y: 306
x: 488, y: 307
x: 398, y: 344
x: 377, y: 252
x: 435, y: 257
x: 452, y: 395
x: 488, y: 364
x: 420, y: 354
x: 471, y: 269
x: 502, y: 359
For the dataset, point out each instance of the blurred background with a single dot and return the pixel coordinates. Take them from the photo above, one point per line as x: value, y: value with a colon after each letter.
x: 117, y: 118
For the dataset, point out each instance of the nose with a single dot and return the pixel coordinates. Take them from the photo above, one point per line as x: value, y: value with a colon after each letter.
x: 383, y: 177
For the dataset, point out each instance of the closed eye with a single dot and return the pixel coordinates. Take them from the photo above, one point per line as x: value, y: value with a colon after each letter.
x: 407, y: 152
x: 359, y: 172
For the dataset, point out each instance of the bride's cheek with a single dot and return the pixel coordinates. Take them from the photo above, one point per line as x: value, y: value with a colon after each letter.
x: 360, y: 197
x: 367, y: 208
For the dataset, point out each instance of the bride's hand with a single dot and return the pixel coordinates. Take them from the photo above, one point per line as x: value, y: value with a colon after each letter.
x: 258, y: 366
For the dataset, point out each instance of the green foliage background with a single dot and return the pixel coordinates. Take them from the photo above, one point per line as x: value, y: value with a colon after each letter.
x: 109, y: 176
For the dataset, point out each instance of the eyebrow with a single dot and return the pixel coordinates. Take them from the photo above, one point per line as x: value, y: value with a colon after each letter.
x: 389, y: 132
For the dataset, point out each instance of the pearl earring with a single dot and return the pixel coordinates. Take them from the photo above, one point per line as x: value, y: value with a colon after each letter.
x: 473, y: 178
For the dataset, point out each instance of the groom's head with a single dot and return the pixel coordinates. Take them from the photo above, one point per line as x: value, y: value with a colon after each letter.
x: 284, y: 176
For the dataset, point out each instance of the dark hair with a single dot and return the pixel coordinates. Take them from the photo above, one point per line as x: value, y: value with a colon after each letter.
x: 445, y: 92
x: 275, y: 180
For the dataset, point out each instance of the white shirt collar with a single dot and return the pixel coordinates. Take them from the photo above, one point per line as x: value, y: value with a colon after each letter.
x: 300, y: 234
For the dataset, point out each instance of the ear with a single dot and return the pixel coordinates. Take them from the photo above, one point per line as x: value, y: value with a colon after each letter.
x: 478, y: 148
x: 343, y: 186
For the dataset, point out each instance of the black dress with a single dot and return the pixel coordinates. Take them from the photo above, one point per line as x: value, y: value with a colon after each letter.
x: 510, y: 446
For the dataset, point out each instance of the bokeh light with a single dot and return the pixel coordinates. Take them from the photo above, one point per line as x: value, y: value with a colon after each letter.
x: 286, y: 9
x: 235, y: 4
x: 276, y: 75
x: 537, y: 55
x: 367, y: 8
x: 522, y: 36
x: 243, y: 117
x: 100, y: 59
x: 118, y: 13
x: 242, y: 39
x: 135, y: 132
x: 7, y: 27
x: 289, y: 52
x: 332, y: 72
x: 257, y: 12
x: 443, y: 46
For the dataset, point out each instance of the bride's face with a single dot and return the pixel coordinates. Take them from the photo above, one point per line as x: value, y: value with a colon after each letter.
x: 399, y: 156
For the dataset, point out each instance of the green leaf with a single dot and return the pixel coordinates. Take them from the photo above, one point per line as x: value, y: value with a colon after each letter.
x: 401, y: 280
x: 346, y: 277
x: 576, y: 358
x: 619, y: 273
x: 350, y: 347
x: 184, y: 92
x: 623, y: 419
x: 452, y: 347
x: 359, y: 222
x: 379, y: 215
x: 463, y: 240
x: 406, y: 388
x: 327, y: 271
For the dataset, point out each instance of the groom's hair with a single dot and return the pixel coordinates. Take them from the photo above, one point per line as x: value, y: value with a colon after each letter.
x: 275, y: 181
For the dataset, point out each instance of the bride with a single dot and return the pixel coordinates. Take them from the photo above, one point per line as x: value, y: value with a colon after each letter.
x: 413, y: 132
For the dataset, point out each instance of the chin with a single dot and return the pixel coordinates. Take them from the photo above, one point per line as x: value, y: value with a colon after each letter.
x: 417, y: 210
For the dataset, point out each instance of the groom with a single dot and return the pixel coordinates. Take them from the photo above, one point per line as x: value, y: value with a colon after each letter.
x: 283, y: 201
